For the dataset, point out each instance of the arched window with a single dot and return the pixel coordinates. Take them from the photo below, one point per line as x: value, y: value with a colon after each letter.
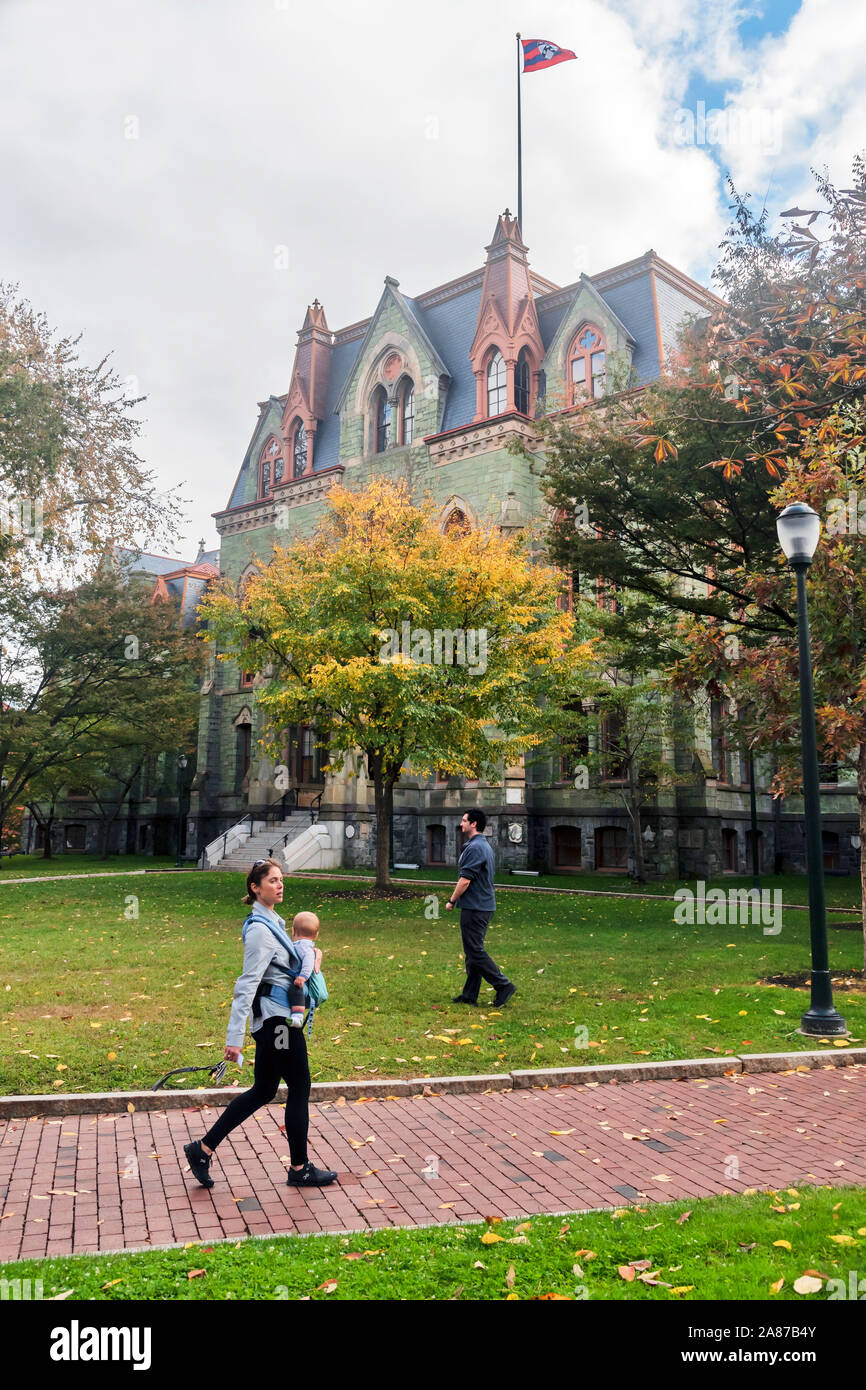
x: 521, y: 383
x: 586, y: 366
x: 270, y: 467
x: 457, y: 523
x: 299, y: 451
x: 497, y: 392
x: 382, y: 410
x: 407, y: 412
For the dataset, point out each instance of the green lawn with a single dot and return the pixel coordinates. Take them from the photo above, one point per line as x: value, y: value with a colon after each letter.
x: 97, y: 998
x: 34, y: 866
x: 724, y: 1250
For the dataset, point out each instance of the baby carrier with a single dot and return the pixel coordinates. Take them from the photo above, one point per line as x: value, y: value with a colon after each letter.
x: 315, y: 990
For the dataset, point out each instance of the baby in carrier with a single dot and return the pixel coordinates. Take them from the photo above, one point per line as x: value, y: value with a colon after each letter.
x: 305, y: 930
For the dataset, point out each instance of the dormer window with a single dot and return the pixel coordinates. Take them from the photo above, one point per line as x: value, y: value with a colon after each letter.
x: 407, y: 413
x: 299, y: 451
x: 382, y: 412
x: 270, y: 467
x: 497, y: 384
x: 521, y: 383
x: 587, y: 366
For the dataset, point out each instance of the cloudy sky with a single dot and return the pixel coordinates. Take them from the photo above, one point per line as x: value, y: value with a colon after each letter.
x: 179, y: 179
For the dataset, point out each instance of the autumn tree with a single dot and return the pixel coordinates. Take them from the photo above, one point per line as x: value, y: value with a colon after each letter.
x: 410, y: 645
x: 90, y: 677
x: 71, y: 483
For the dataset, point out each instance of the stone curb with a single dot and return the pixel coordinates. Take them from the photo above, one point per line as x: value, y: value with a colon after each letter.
x: 323, y: 1092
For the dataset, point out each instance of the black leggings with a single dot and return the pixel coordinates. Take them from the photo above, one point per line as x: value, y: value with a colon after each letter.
x: 281, y: 1054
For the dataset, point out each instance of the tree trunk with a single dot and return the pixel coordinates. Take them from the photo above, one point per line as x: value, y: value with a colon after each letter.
x: 384, y: 796
x: 861, y: 804
x: 633, y: 808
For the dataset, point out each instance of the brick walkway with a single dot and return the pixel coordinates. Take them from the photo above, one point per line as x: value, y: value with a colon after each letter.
x: 105, y: 1183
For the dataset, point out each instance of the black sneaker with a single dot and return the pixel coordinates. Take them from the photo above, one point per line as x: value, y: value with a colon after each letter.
x: 308, y: 1176
x: 199, y: 1162
x: 504, y: 995
x: 461, y: 999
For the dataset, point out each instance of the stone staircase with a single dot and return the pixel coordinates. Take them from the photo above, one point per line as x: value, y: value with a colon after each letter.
x: 258, y: 845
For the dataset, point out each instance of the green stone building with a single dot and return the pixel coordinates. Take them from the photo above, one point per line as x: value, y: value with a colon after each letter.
x: 431, y: 389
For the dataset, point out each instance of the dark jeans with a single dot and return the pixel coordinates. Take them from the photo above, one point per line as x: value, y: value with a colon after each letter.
x: 287, y: 1062
x: 473, y: 929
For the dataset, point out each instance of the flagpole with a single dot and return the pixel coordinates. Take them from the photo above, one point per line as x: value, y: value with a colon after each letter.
x: 519, y: 148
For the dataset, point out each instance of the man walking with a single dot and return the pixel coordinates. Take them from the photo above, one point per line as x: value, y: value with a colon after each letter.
x: 474, y: 891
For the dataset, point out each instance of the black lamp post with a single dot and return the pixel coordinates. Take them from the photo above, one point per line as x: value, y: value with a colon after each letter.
x: 799, y: 528
x: 181, y: 764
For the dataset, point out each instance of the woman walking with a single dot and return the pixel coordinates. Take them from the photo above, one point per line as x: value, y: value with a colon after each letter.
x: 270, y: 965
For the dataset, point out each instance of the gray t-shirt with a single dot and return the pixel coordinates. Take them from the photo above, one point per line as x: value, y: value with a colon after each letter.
x: 477, y: 863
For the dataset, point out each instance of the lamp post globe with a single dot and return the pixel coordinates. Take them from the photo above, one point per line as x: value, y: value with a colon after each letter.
x: 799, y: 528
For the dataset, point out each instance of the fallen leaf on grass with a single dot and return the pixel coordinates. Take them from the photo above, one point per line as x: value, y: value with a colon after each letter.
x: 195, y: 1273
x: 111, y: 1283
x: 808, y: 1284
x: 509, y: 1278
x: 626, y: 1272
x: 584, y: 1254
x: 518, y: 1240
x: 774, y: 1288
x: 681, y: 1220
x: 844, y: 1240
x: 56, y: 1298
x: 783, y: 1244
x: 328, y: 1286
x: 490, y: 1238
x: 479, y: 1265
x: 683, y: 1288
x: 523, y: 1228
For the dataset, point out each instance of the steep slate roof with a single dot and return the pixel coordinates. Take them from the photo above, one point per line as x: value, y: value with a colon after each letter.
x: 649, y: 297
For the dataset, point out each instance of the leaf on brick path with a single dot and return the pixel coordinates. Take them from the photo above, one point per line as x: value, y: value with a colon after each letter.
x: 840, y: 1163
x: 522, y: 1228
x: 807, y: 1284
x: 560, y: 1131
x: 7, y: 1215
x: 681, y: 1220
x: 445, y: 1206
x: 56, y: 1298
x: 341, y: 1100
x: 111, y: 1283
x: 195, y: 1273
x: 720, y: 1122
x: 844, y: 1240
x: 130, y: 1107
x: 584, y: 1254
x: 63, y: 1192
x: 37, y: 1197
x: 328, y: 1286
x: 683, y: 1288
x: 626, y: 1272
x: 660, y: 1177
x: 509, y: 1278
x: 489, y: 1238
x: 774, y: 1288
x: 784, y: 1244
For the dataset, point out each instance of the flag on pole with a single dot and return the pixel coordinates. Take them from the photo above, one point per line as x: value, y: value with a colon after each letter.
x: 540, y: 53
